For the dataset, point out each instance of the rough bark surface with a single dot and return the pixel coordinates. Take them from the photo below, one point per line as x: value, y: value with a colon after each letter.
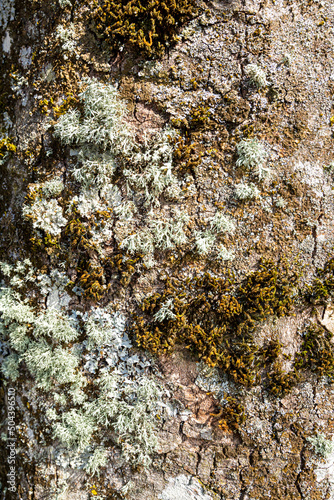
x: 204, y: 90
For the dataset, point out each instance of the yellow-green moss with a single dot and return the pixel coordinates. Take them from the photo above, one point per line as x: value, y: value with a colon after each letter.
x: 215, y: 318
x: 141, y: 25
x: 317, y: 352
x: 230, y: 416
x: 6, y: 146
x: 322, y: 289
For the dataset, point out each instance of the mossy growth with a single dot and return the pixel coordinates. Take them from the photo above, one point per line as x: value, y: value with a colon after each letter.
x: 201, y: 117
x: 281, y: 382
x: 46, y: 106
x: 187, y: 156
x: 317, y: 352
x: 94, y: 273
x: 148, y: 27
x: 215, y: 318
x: 231, y: 415
x: 6, y: 147
x: 268, y: 291
x: 322, y: 289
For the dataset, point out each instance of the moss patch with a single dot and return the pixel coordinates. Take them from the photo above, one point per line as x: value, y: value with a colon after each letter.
x: 148, y: 27
x: 215, y: 318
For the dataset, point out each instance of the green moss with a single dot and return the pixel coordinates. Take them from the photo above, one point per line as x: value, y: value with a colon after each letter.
x: 281, y: 382
x: 187, y: 156
x: 231, y: 415
x: 269, y: 291
x: 215, y: 318
x: 148, y: 27
x: 316, y: 353
x: 322, y: 289
x: 6, y: 146
x: 201, y: 117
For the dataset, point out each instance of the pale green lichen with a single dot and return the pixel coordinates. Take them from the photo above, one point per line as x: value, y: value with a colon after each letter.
x: 96, y: 461
x: 222, y: 223
x: 256, y: 75
x: 7, y: 12
x: 101, y: 123
x: 252, y: 155
x: 107, y: 144
x: 43, y: 340
x: 244, y: 191
x: 225, y: 254
x: 46, y: 215
x: 204, y: 242
x: 65, y: 3
x: 165, y: 311
x: 321, y: 445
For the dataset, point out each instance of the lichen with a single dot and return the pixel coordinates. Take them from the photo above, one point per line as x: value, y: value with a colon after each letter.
x: 52, y: 344
x: 7, y: 12
x: 256, y: 75
x: 321, y: 445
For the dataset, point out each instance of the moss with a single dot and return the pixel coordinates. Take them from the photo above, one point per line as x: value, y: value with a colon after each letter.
x: 322, y: 288
x: 69, y: 102
x: 200, y: 117
x: 187, y: 156
x: 231, y: 415
x: 123, y: 265
x: 316, y: 353
x: 6, y: 146
x: 148, y: 27
x: 92, y: 281
x: 269, y: 291
x: 280, y: 382
x: 215, y: 318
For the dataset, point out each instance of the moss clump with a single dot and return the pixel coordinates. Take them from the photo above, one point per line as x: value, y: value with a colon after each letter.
x: 215, y: 318
x: 280, y: 382
x: 268, y: 291
x: 187, y: 156
x: 231, y: 415
x: 322, y: 289
x: 92, y: 281
x: 317, y: 353
x: 141, y: 25
x: 6, y: 147
x: 122, y: 265
x: 201, y: 117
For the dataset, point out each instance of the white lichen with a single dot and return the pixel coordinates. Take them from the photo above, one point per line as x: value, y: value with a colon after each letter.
x: 153, y: 162
x: 185, y: 488
x: 204, y: 242
x: 256, y: 75
x: 46, y: 215
x: 94, y: 168
x: 98, y: 459
x: 102, y: 328
x: 321, y: 445
x: 280, y: 202
x: 225, y: 254
x: 65, y: 3
x: 105, y: 144
x: 222, y: 224
x: 66, y: 35
x: 125, y: 401
x: 252, y: 155
x: 244, y: 191
x: 52, y: 188
x: 101, y: 123
x: 7, y: 12
x: 165, y: 311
